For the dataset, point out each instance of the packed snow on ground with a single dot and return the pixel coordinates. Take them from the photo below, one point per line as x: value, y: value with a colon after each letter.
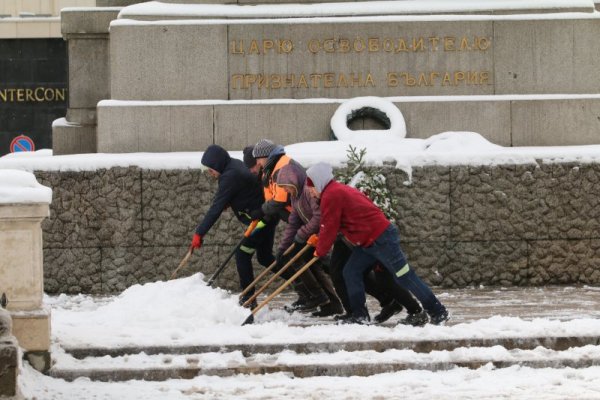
x: 187, y: 311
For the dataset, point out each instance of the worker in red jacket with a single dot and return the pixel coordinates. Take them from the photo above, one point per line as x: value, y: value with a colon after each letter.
x: 345, y: 209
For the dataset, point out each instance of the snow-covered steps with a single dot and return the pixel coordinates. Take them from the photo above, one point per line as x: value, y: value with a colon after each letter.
x: 556, y: 343
x: 342, y: 363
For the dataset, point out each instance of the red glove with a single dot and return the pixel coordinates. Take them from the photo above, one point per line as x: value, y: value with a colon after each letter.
x: 313, y: 240
x: 196, y: 241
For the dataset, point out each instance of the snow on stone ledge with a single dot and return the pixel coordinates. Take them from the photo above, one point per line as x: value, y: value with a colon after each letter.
x: 22, y: 187
x: 361, y: 8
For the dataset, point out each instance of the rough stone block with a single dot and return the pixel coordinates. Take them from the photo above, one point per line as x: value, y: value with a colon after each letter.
x: 73, y: 270
x: 173, y: 204
x: 94, y: 208
x: 122, y: 267
x: 162, y: 261
x: 423, y: 203
x: 523, y: 202
x: 428, y: 259
x: 497, y: 263
x: 485, y: 206
x: 564, y: 262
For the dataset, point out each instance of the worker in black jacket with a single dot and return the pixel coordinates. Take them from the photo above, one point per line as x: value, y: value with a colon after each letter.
x: 239, y: 189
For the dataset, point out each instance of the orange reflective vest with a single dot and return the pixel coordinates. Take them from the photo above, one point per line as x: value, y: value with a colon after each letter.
x: 273, y: 191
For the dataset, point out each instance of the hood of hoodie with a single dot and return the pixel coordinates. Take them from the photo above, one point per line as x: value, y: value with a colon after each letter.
x: 292, y: 175
x: 274, y: 156
x: 277, y: 151
x: 320, y: 174
x: 216, y: 157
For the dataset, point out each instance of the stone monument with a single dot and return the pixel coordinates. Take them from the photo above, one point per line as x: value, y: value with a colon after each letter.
x: 23, y: 206
x: 177, y: 77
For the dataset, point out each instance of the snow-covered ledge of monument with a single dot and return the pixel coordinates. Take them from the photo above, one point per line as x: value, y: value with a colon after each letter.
x: 24, y: 203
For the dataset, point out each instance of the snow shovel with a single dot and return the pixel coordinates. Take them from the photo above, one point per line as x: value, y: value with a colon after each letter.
x: 248, y: 232
x: 280, y: 289
x: 183, y: 262
x: 266, y: 271
x: 281, y: 271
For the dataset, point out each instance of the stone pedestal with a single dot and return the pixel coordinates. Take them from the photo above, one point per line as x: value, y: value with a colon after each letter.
x: 86, y: 31
x: 21, y: 277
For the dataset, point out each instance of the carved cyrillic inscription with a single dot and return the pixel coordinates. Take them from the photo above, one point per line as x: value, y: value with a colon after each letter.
x: 438, y: 46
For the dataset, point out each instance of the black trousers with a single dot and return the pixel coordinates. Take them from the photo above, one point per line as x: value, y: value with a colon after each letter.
x: 260, y: 243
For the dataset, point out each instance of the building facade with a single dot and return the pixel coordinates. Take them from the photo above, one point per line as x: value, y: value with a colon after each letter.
x: 33, y: 71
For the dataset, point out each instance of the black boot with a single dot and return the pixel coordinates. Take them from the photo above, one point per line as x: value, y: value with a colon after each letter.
x: 418, y: 319
x: 329, y: 309
x: 313, y: 302
x: 301, y: 302
x: 252, y: 304
x: 388, y: 311
x: 360, y: 317
x: 342, y: 317
x: 440, y: 318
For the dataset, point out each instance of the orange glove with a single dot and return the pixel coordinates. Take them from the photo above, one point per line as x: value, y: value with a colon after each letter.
x: 313, y: 240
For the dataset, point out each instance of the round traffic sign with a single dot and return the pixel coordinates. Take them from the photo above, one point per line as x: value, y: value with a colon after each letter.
x: 21, y: 143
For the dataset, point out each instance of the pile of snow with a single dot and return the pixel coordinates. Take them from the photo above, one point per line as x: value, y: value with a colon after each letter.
x: 144, y: 314
x: 21, y: 187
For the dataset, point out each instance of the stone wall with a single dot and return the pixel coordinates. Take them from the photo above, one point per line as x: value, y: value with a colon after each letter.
x: 460, y: 226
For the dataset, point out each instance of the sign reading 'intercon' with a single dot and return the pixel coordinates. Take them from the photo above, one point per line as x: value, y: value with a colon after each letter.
x: 32, y: 95
x: 401, y: 48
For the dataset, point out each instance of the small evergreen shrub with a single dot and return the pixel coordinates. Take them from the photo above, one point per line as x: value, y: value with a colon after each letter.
x: 369, y: 180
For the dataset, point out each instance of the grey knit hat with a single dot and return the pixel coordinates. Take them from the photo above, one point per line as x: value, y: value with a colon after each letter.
x: 263, y: 148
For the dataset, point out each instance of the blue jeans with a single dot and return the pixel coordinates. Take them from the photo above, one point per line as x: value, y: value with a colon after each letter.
x: 386, y: 249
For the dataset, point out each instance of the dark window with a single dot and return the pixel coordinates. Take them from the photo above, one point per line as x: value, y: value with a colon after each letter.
x: 33, y: 89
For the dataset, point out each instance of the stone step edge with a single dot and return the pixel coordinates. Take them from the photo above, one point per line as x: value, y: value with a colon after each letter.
x: 420, y: 346
x: 307, y: 371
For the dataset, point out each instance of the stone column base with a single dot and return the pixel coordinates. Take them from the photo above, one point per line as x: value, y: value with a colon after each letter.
x: 72, y: 138
x: 32, y: 330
